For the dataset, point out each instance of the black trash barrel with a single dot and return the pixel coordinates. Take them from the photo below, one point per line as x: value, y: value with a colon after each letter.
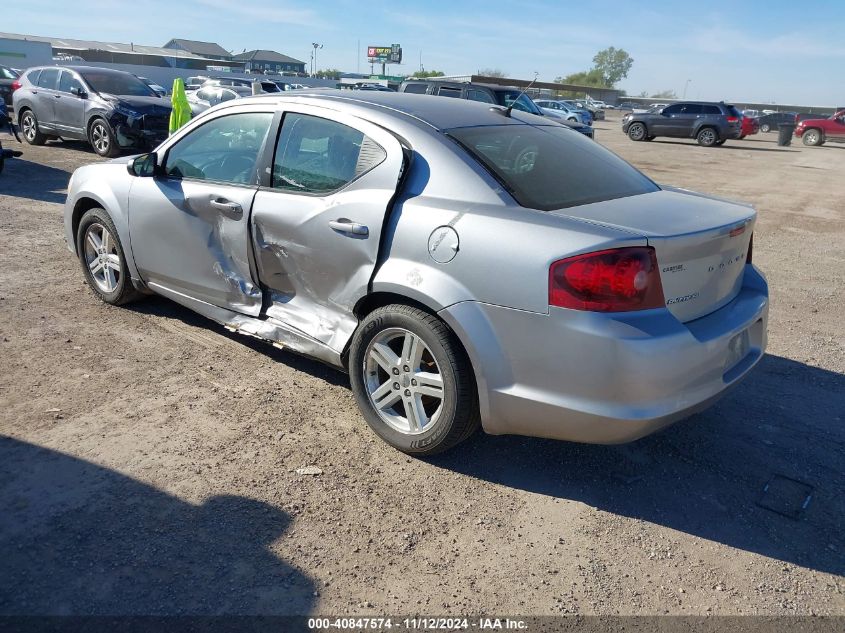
x: 785, y: 132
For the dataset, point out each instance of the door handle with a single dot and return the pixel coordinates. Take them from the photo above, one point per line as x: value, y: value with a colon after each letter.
x: 347, y: 226
x: 58, y: 96
x: 225, y: 205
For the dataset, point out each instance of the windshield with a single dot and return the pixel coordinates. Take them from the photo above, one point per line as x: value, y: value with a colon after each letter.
x: 519, y: 101
x: 7, y: 73
x: 117, y: 84
x: 551, y: 167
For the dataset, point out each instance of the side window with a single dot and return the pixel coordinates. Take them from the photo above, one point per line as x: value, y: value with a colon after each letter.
x: 416, y: 88
x: 48, y: 78
x: 710, y: 109
x: 316, y: 155
x: 206, y: 94
x: 68, y: 81
x: 692, y: 108
x: 224, y: 149
x: 479, y: 95
x: 445, y: 91
x: 32, y: 76
x: 673, y: 109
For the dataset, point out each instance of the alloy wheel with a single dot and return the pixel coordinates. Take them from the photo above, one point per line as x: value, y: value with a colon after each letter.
x: 29, y: 127
x: 636, y: 132
x: 707, y: 137
x: 403, y: 381
x: 102, y: 257
x: 811, y: 137
x: 100, y: 138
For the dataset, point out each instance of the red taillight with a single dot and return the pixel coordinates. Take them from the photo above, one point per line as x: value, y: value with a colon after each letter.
x: 616, y: 280
x: 732, y: 119
x: 750, y: 249
x: 15, y: 85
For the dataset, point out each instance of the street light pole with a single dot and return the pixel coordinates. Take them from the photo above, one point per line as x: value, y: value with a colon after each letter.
x: 686, y: 85
x: 316, y: 46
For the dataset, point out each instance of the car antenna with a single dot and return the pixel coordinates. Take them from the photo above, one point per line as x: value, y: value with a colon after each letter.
x: 524, y: 90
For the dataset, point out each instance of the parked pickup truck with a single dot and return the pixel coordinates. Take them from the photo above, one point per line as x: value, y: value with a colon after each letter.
x: 819, y: 131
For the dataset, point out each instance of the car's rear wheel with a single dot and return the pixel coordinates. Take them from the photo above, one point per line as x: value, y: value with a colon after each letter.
x: 721, y: 141
x: 637, y: 132
x: 412, y: 380
x: 29, y: 129
x: 812, y: 137
x: 743, y: 136
x: 102, y: 138
x: 707, y: 137
x: 765, y: 127
x: 103, y: 262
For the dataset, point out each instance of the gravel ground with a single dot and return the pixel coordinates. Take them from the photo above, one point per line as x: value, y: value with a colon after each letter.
x: 148, y: 458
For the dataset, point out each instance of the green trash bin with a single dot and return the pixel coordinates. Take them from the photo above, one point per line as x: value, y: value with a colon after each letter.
x: 785, y: 132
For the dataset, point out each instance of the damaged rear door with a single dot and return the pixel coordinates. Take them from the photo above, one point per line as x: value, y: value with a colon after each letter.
x: 189, y: 225
x: 317, y: 219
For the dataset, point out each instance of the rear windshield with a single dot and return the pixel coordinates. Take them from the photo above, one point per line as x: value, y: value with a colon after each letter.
x: 551, y: 167
x: 520, y: 101
x: 117, y: 84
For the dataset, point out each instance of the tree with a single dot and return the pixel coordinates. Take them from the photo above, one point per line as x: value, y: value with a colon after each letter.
x: 609, y: 66
x: 328, y: 73
x: 423, y: 74
x: 613, y: 64
x: 492, y: 72
x: 665, y: 94
x: 585, y: 78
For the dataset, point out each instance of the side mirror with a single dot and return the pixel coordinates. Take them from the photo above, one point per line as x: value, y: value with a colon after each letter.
x: 144, y: 166
x: 79, y: 92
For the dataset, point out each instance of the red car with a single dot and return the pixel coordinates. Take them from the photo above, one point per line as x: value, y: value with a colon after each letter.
x: 819, y: 131
x: 750, y: 125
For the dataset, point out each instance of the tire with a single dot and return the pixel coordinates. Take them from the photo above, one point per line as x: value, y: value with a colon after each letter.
x: 29, y: 129
x: 650, y: 138
x: 637, y: 132
x: 743, y: 137
x: 721, y: 142
x: 707, y: 137
x: 110, y: 283
x: 102, y: 138
x: 415, y: 423
x: 765, y: 127
x: 813, y: 137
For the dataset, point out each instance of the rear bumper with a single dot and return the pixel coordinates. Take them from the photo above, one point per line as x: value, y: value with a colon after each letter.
x: 604, y: 378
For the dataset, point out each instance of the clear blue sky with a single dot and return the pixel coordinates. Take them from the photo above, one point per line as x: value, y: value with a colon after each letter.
x: 754, y: 50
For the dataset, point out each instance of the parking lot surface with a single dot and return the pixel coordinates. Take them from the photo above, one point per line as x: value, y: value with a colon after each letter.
x: 148, y: 458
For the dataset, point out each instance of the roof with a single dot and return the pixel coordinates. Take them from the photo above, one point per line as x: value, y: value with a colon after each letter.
x: 116, y: 47
x: 200, y: 48
x: 265, y: 56
x: 438, y: 112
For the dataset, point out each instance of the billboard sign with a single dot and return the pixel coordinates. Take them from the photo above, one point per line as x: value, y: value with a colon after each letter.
x: 385, y: 54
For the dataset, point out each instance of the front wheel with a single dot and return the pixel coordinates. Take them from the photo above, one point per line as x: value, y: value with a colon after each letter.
x: 812, y: 137
x: 707, y: 137
x: 765, y: 127
x: 413, y: 381
x: 102, y: 139
x: 103, y: 262
x: 637, y: 132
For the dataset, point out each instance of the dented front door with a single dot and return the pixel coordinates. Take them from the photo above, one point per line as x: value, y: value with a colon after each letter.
x: 189, y: 225
x: 318, y: 222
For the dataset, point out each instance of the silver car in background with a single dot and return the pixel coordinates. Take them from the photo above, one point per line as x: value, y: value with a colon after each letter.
x: 465, y: 264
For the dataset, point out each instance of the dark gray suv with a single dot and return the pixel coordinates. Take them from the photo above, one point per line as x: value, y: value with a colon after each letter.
x: 707, y: 122
x: 111, y: 109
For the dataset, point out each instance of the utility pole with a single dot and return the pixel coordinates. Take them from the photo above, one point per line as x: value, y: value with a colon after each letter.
x: 316, y: 46
x: 686, y: 85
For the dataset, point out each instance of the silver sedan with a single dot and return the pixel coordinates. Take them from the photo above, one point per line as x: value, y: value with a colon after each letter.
x: 466, y: 264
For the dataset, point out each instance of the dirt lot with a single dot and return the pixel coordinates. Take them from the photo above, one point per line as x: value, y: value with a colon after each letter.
x: 148, y: 457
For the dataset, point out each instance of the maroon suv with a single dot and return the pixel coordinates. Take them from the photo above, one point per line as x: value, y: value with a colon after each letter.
x: 819, y: 131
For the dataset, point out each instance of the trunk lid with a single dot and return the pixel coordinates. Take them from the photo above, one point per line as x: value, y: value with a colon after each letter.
x: 701, y: 243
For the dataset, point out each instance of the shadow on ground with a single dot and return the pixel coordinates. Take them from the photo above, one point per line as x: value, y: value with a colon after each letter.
x: 33, y: 181
x: 77, y: 538
x: 704, y: 476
